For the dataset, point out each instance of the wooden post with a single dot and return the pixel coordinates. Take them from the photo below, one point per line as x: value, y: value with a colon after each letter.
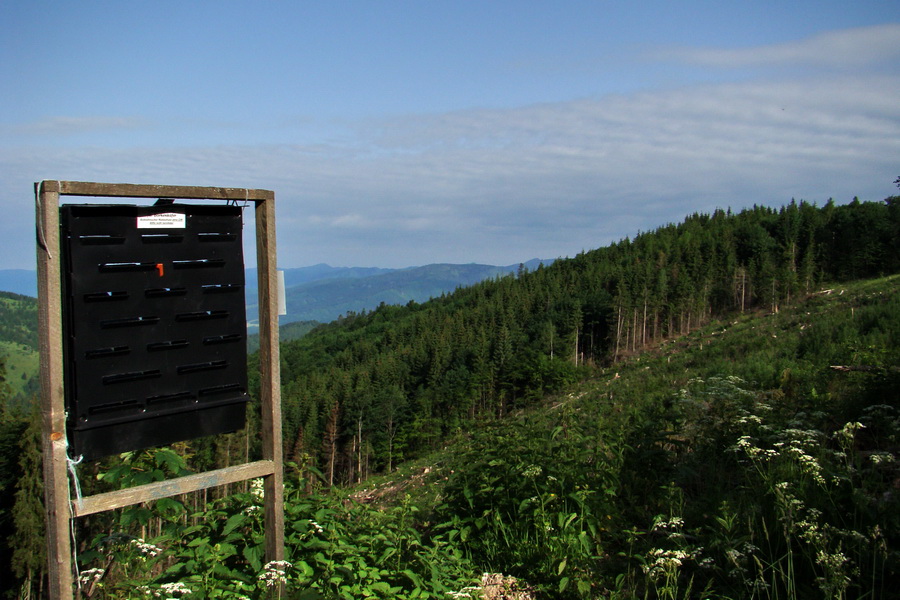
x: 59, y: 508
x: 270, y: 377
x: 53, y: 433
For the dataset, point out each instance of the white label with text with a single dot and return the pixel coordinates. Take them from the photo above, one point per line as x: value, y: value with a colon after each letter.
x: 162, y: 221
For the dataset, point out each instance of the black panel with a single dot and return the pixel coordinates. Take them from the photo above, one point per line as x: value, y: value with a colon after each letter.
x: 155, y: 325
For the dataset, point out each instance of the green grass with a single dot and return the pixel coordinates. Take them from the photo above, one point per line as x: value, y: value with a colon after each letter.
x: 22, y: 365
x: 18, y: 342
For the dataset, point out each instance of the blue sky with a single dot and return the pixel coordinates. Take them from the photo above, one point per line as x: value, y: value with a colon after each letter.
x: 406, y: 133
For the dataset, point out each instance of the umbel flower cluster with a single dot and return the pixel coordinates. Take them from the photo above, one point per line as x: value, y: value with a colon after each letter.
x: 146, y: 550
x: 275, y: 573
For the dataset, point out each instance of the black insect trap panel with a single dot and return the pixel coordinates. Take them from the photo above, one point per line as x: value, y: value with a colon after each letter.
x: 155, y: 324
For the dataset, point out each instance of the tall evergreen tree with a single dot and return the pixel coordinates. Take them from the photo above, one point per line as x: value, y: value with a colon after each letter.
x: 29, y: 553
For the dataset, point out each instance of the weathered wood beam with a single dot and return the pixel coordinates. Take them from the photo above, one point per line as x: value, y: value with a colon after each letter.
x: 132, y: 190
x: 53, y: 411
x: 270, y: 377
x: 172, y: 487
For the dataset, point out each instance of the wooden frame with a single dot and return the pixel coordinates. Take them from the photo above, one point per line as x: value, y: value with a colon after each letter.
x: 59, y: 508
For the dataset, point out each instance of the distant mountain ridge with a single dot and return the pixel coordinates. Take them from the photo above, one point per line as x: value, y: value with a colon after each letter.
x: 301, y: 275
x: 345, y: 290
x: 323, y: 293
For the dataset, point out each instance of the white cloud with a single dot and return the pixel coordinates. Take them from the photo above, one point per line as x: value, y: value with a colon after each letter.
x: 843, y: 48
x: 506, y: 185
x: 63, y: 125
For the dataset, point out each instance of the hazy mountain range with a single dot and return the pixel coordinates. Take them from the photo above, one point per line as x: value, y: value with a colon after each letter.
x: 322, y: 292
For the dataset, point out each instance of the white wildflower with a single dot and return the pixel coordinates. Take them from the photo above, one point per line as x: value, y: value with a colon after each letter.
x: 532, y: 471
x: 672, y: 524
x: 750, y: 419
x: 664, y: 560
x: 275, y: 573
x: 881, y: 458
x: 849, y: 430
x: 146, y: 549
x: 175, y: 588
x: 808, y: 464
x: 745, y: 443
x: 90, y: 576
x: 803, y: 436
x: 831, y: 561
x: 257, y: 490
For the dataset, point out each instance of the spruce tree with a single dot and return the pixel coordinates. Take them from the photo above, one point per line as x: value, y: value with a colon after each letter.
x: 29, y: 554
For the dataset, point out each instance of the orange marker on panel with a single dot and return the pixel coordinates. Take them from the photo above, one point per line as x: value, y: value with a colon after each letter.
x: 159, y: 267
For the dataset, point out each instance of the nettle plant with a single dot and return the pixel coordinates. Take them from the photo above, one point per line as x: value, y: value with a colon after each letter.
x: 536, y: 500
x: 164, y: 550
x: 334, y: 550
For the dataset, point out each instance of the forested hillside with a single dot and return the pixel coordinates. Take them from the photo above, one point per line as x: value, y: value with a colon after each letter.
x: 18, y: 346
x: 367, y: 391
x: 684, y: 413
x: 755, y: 457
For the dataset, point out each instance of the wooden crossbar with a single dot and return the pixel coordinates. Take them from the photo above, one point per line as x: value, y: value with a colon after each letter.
x: 171, y: 487
x: 131, y: 190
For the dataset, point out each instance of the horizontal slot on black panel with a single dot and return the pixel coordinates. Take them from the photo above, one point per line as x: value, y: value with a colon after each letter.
x: 162, y: 238
x: 104, y: 352
x: 167, y: 345
x: 105, y: 296
x: 169, y: 398
x: 131, y: 376
x: 223, y: 339
x: 125, y: 267
x: 203, y: 315
x: 222, y: 389
x: 113, y: 407
x: 211, y: 236
x: 101, y: 239
x: 221, y: 288
x: 200, y: 263
x: 161, y: 292
x: 204, y: 366
x: 129, y: 322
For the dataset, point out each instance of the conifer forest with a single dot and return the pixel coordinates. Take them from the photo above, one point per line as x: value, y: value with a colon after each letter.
x: 707, y: 410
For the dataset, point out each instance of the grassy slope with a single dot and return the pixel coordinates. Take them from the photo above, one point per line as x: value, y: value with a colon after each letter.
x: 22, y: 365
x: 571, y: 494
x: 18, y: 341
x: 767, y: 350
